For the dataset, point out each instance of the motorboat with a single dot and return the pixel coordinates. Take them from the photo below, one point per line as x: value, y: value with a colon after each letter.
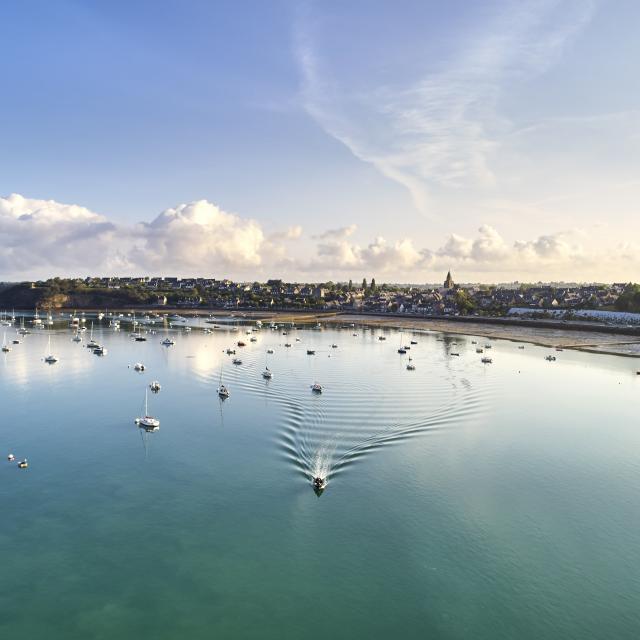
x: 241, y: 344
x: 550, y: 358
x: 479, y: 350
x: 454, y: 354
x: 138, y: 366
x: 311, y: 352
x: 223, y: 392
x: 269, y: 350
x: 319, y: 484
x: 382, y: 337
x: 410, y: 365
x: 100, y: 350
x: 76, y: 338
x: 334, y: 346
x: 414, y: 342
x: 231, y: 352
x: 402, y: 350
x: 236, y: 361
x: 155, y: 386
x: 486, y: 360
x: 316, y: 387
x: 287, y: 344
x: 253, y: 339
x: 167, y: 342
x: 140, y: 338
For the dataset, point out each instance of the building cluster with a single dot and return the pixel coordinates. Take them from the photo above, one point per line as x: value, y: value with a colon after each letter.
x: 448, y: 299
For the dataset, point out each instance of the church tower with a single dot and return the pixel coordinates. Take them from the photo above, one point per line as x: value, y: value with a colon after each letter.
x: 448, y: 283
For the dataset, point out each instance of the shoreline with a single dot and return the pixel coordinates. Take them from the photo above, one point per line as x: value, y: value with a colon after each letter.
x: 580, y: 336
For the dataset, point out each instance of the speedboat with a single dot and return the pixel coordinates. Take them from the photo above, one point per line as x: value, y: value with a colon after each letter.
x: 319, y: 484
x: 231, y: 352
x: 334, y: 346
x: 316, y: 387
x: 414, y: 342
x: 140, y: 338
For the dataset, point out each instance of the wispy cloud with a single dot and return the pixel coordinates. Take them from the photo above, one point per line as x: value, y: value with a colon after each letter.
x: 441, y: 128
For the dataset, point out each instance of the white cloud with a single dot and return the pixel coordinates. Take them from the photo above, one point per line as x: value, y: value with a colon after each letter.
x: 198, y: 237
x: 42, y: 238
x: 47, y: 235
x: 440, y: 127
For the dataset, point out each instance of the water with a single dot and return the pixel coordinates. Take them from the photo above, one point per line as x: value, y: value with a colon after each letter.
x: 463, y: 500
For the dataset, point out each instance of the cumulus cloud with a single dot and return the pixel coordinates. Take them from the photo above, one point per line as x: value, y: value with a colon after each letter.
x: 44, y: 234
x: 41, y: 238
x: 198, y: 236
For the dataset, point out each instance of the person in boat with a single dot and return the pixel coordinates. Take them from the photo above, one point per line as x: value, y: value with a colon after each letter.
x: 318, y: 482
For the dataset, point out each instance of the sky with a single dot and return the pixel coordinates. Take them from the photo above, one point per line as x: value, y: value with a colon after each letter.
x: 316, y: 140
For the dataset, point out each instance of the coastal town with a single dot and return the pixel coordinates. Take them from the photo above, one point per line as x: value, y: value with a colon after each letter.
x: 447, y: 299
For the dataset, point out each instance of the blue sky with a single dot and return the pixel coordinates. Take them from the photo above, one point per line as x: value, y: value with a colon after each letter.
x: 321, y: 139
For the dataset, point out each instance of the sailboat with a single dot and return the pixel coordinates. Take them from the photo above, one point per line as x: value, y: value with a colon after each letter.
x: 401, y: 349
x: 5, y: 347
x: 50, y: 359
x: 92, y: 344
x: 147, y: 422
x: 266, y: 374
x: 410, y: 365
x: 23, y: 331
x: 223, y: 392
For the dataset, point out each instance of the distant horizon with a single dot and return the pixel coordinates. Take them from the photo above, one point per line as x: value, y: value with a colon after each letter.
x: 357, y: 283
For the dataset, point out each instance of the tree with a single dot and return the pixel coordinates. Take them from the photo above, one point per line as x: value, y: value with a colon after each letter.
x: 350, y: 285
x: 364, y: 283
x: 373, y: 284
x: 629, y: 299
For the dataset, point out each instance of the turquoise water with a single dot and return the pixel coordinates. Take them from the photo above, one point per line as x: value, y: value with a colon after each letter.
x: 463, y: 500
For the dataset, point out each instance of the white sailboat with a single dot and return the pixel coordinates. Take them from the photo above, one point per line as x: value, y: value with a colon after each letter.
x: 5, y: 347
x: 149, y: 423
x: 50, y: 359
x: 92, y: 344
x: 223, y: 392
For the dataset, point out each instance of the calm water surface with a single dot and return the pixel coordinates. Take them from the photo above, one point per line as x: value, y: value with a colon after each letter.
x: 463, y: 500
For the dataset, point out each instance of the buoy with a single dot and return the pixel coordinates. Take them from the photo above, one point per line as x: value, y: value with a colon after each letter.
x: 11, y: 457
x: 23, y: 464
